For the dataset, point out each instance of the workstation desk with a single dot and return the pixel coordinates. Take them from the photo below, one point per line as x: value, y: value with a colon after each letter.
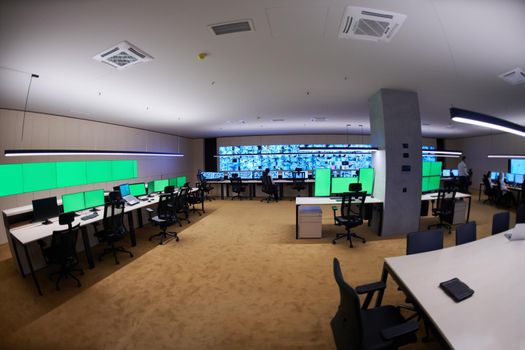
x: 493, y: 317
x: 225, y: 186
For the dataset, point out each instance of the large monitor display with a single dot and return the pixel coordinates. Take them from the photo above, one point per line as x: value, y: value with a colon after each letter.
x: 366, y: 178
x: 322, y: 182
x: 340, y: 184
x: 432, y: 176
x: 517, y: 166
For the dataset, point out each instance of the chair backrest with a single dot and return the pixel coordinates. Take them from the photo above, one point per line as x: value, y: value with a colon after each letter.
x: 424, y: 241
x: 265, y: 180
x: 163, y: 209
x: 466, y: 233
x: 298, y: 177
x: 66, y: 219
x: 64, y: 243
x: 487, y: 190
x: 236, y: 184
x: 520, y: 213
x: 355, y: 187
x: 353, y: 204
x: 169, y: 189
x: 446, y: 200
x: 113, y: 220
x: 114, y: 196
x: 500, y: 222
x: 349, y: 312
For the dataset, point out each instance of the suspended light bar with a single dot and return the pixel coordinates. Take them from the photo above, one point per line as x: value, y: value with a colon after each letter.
x: 445, y: 154
x: 506, y: 156
x: 349, y: 149
x: 474, y: 118
x: 61, y: 152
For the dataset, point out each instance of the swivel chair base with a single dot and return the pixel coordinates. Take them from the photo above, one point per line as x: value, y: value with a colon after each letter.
x: 441, y: 225
x: 114, y: 250
x: 269, y: 198
x: 163, y: 235
x: 348, y: 236
x: 66, y: 272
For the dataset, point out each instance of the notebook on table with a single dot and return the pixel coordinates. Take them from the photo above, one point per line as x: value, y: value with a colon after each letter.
x: 456, y: 289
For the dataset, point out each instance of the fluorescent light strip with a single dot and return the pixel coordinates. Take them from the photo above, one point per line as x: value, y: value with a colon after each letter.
x: 474, y: 118
x: 47, y: 152
x: 444, y: 154
x: 505, y: 156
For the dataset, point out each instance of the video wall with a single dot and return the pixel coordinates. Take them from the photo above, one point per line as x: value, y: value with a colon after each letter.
x: 31, y: 177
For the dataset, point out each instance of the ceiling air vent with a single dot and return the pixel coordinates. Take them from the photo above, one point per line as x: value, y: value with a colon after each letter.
x: 123, y: 55
x: 232, y: 27
x: 514, y: 77
x: 277, y: 120
x: 368, y: 24
x: 318, y: 119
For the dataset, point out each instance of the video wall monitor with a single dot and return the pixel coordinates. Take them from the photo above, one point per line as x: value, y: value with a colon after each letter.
x: 517, y: 166
x: 518, y: 179
x: 173, y: 181
x: 257, y: 175
x: 11, y: 181
x: 424, y: 184
x: 124, y: 190
x: 287, y: 174
x: 455, y: 172
x: 435, y: 168
x: 94, y: 198
x: 322, y: 182
x: 209, y: 175
x: 446, y: 173
x: 39, y: 176
x: 433, y: 183
x: 246, y: 175
x: 494, y: 175
x: 509, y: 178
x: 44, y: 209
x: 366, y: 178
x: 160, y: 185
x: 181, y: 181
x: 274, y: 174
x: 138, y: 189
x: 340, y: 184
x: 426, y: 168
x: 71, y: 174
x: 73, y: 202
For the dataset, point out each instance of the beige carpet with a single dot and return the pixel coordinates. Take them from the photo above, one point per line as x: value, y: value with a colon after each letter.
x: 237, y: 280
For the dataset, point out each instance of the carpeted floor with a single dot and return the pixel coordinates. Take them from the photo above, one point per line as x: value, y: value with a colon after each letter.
x: 237, y: 279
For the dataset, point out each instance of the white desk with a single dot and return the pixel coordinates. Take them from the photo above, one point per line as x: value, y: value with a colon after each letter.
x: 459, y: 195
x: 493, y: 317
x: 225, y: 184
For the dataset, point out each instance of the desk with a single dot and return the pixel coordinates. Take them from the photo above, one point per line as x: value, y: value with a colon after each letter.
x: 459, y: 195
x: 493, y: 317
x: 225, y: 186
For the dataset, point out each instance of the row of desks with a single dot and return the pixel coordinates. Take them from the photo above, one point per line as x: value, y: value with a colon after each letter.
x: 251, y: 184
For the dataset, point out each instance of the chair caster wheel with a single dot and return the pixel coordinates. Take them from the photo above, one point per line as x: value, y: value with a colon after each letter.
x: 177, y: 239
x: 364, y: 241
x: 333, y: 242
x: 117, y: 263
x: 131, y: 255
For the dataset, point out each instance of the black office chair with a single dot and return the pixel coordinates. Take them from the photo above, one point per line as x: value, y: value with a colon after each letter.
x: 169, y: 189
x: 424, y: 241
x: 352, y: 210
x: 444, y: 209
x: 298, y: 181
x: 520, y: 213
x: 113, y: 230
x: 356, y: 327
x: 182, y: 205
x: 165, y: 217
x: 500, y: 222
x: 466, y: 233
x: 63, y: 250
x: 269, y: 188
x: 197, y: 197
x: 489, y: 191
x: 237, y: 187
x: 206, y: 187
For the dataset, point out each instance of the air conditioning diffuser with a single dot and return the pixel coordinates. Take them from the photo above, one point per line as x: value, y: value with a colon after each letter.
x: 123, y: 55
x: 368, y: 24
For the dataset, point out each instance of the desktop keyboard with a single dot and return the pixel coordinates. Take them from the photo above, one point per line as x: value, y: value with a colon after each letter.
x: 90, y: 216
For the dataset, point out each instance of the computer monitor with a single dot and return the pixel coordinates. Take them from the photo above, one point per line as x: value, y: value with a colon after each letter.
x: 340, y: 184
x: 433, y: 183
x: 455, y: 172
x: 257, y: 175
x: 45, y: 208
x: 366, y: 178
x: 157, y: 186
x: 124, y: 190
x: 287, y: 174
x: 446, y: 173
x: 518, y: 179
x: 94, y: 199
x: 517, y: 166
x: 494, y: 175
x: 509, y: 178
x: 274, y: 174
x: 322, y: 182
x: 138, y: 189
x: 73, y: 202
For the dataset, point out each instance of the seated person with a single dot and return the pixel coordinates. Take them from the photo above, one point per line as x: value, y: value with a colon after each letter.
x: 507, y: 198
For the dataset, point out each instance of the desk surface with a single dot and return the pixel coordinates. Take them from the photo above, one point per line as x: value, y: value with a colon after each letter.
x: 257, y: 181
x: 330, y: 200
x: 493, y: 317
x: 433, y: 196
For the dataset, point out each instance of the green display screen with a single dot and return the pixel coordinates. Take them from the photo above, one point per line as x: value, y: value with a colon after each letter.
x: 181, y: 181
x: 94, y: 198
x: 435, y: 169
x: 322, y: 182
x: 426, y: 168
x: 98, y: 171
x: 11, y: 181
x: 138, y: 189
x: 433, y: 183
x: 123, y: 169
x: 340, y: 184
x: 161, y: 184
x: 424, y: 184
x: 39, y: 176
x: 71, y: 174
x: 73, y: 202
x: 366, y: 178
x: 173, y: 181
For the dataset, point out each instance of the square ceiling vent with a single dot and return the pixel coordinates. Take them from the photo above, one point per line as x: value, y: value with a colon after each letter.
x: 514, y: 77
x: 123, y: 55
x: 368, y: 24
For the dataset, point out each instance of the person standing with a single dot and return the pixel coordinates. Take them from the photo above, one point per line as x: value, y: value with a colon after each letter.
x: 463, y: 175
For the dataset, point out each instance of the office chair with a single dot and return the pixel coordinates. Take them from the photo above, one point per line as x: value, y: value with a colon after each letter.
x: 169, y: 189
x: 182, y: 205
x: 520, y: 213
x: 489, y: 191
x: 500, y: 222
x: 444, y: 209
x: 269, y: 188
x: 165, y: 217
x: 356, y: 327
x: 352, y: 210
x: 113, y: 230
x: 298, y: 181
x: 63, y: 250
x: 424, y: 241
x: 237, y: 187
x: 196, y: 198
x: 466, y: 233
x: 206, y: 187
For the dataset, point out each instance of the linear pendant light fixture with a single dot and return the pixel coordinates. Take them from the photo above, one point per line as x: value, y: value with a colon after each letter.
x: 520, y: 156
x: 347, y: 149
x: 474, y: 118
x: 61, y: 152
x: 445, y: 154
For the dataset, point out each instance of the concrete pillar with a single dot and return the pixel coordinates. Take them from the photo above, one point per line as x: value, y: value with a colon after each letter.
x: 396, y: 130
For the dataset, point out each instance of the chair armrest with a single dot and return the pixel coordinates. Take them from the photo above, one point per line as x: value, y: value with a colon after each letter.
x: 370, y: 287
x: 149, y: 210
x: 400, y: 330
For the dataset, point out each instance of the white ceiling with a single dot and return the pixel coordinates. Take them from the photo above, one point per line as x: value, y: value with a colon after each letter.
x: 449, y: 51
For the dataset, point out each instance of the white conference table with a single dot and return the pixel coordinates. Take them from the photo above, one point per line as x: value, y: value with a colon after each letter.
x: 493, y: 317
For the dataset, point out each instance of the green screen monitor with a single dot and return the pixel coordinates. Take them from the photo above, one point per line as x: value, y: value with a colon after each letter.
x: 340, y: 184
x: 173, y: 181
x: 39, y: 176
x: 157, y: 186
x: 73, y: 202
x: 322, y: 182
x: 366, y: 178
x: 181, y: 181
x: 94, y: 199
x: 435, y: 169
x: 138, y: 190
x: 424, y: 184
x: 71, y: 174
x: 11, y: 181
x: 98, y: 171
x: 426, y: 168
x: 433, y: 183
x: 123, y: 169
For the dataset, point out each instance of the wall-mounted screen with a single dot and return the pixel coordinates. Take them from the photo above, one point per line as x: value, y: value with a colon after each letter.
x: 518, y: 179
x: 322, y: 182
x: 509, y: 178
x: 517, y: 166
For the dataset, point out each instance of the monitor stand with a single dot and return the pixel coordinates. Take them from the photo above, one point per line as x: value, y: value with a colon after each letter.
x: 94, y: 210
x: 47, y: 222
